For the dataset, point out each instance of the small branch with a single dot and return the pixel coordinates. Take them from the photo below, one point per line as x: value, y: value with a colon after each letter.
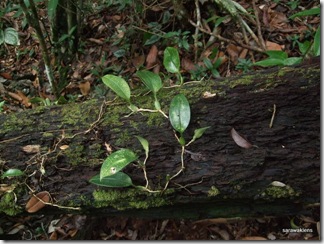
x: 256, y: 13
x: 273, y: 116
x: 220, y: 38
x: 197, y: 30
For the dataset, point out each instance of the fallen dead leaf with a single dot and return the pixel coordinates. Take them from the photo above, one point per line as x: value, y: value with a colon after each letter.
x: 34, y: 204
x: 151, y: 58
x: 25, y: 100
x: 274, y: 46
x: 254, y: 238
x: 31, y: 149
x: 64, y: 147
x: 85, y: 88
x: 239, y: 140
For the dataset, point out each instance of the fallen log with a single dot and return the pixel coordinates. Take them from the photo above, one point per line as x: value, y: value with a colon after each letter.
x: 60, y: 148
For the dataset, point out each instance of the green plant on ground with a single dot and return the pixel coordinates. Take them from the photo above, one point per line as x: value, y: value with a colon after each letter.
x: 1, y: 106
x: 179, y: 116
x: 244, y: 64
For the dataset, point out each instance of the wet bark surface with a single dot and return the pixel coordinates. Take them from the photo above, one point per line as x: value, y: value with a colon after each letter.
x: 220, y: 178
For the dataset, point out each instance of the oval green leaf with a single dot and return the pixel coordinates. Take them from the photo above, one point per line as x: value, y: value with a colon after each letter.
x: 51, y: 9
x: 179, y: 113
x: 116, y: 162
x: 11, y: 36
x: 270, y: 62
x: 171, y: 60
x: 150, y: 79
x: 12, y: 173
x: 119, y: 179
x: 144, y: 143
x: 118, y: 85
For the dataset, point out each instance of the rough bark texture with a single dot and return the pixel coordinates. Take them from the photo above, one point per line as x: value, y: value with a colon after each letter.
x: 220, y: 178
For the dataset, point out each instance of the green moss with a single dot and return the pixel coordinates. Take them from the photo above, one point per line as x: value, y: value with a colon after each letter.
x: 48, y: 134
x: 8, y: 204
x: 123, y: 138
x: 74, y: 154
x: 130, y: 199
x: 155, y: 119
x: 213, y: 191
x: 274, y: 192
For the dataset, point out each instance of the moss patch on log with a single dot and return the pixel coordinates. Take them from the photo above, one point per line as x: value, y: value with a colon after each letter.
x: 130, y: 199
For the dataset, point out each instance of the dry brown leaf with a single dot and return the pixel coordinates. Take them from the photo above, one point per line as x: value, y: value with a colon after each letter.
x: 239, y: 140
x: 31, y: 149
x: 274, y: 46
x: 187, y: 64
x: 6, y: 75
x: 25, y: 100
x: 138, y: 61
x: 85, y: 88
x: 34, y: 204
x: 15, y: 96
x: 151, y: 58
x: 233, y: 52
x: 254, y: 238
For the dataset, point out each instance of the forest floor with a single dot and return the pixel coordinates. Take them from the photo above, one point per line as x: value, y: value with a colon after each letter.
x: 110, y: 43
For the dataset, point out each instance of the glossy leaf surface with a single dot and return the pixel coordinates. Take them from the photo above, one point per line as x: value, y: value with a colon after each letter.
x: 171, y: 60
x: 119, y: 179
x: 116, y: 162
x: 179, y: 113
x: 150, y: 79
x: 118, y: 85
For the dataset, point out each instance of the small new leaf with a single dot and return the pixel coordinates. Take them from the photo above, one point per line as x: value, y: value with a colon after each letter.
x: 145, y: 144
x: 12, y: 173
x: 199, y: 132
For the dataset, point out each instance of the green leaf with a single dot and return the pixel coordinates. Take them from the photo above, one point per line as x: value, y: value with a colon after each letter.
x: 11, y: 36
x: 270, y: 62
x: 199, y: 132
x: 317, y: 42
x: 150, y: 79
x: 144, y: 143
x: 293, y: 61
x: 12, y: 173
x: 1, y: 37
x: 171, y: 60
x: 179, y: 113
x: 51, y: 9
x: 277, y: 54
x: 304, y: 46
x: 119, y: 179
x: 153, y: 39
x: 116, y: 162
x: 118, y: 85
x: 307, y: 12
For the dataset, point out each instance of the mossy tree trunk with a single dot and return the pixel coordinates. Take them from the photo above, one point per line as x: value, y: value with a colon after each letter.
x: 220, y: 178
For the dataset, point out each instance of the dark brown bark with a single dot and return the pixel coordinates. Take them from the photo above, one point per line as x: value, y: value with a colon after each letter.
x: 289, y: 152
